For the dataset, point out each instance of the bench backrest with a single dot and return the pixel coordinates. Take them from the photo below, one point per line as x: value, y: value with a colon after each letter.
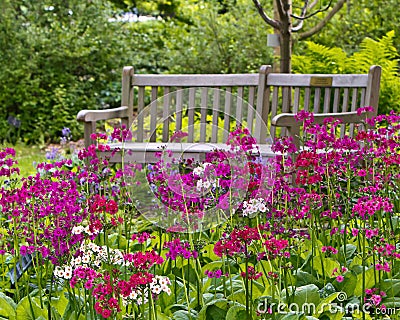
x: 163, y: 102
x: 322, y: 93
x: 204, y: 105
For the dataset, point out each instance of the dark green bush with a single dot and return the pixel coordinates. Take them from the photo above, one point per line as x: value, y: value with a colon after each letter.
x: 57, y: 58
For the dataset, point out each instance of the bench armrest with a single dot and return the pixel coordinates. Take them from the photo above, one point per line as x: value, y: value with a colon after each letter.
x: 288, y: 120
x: 89, y: 118
x: 97, y: 115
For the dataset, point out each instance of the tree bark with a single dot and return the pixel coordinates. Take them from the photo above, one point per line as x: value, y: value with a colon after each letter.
x: 284, y: 9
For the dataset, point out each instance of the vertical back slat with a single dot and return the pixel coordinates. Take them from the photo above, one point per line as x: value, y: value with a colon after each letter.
x: 140, y: 116
x: 179, y: 108
x: 296, y: 103
x: 250, y: 109
x: 166, y: 114
x: 239, y: 105
x: 286, y: 97
x: 327, y: 100
x: 191, y: 108
x: 286, y: 101
x: 362, y: 98
x: 336, y: 100
x: 215, y: 115
x: 307, y: 98
x: 153, y: 114
x: 274, y: 107
x: 354, y: 105
x: 262, y: 105
x: 345, y: 104
x: 227, y: 112
x: 203, y: 114
x: 317, y: 99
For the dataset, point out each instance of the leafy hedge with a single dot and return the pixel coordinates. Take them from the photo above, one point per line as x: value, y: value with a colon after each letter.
x: 56, y: 59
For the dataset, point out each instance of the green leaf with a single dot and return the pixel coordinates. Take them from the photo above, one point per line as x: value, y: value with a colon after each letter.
x: 236, y: 313
x: 325, y: 304
x: 238, y: 296
x: 349, y: 251
x: 305, y: 294
x: 181, y: 315
x: 349, y: 283
x: 392, y: 303
x: 304, y: 278
x: 391, y: 287
x: 212, y: 266
x: 60, y: 303
x: 326, y: 266
x: 7, y: 310
x: 29, y: 310
x: 291, y: 316
x: 369, y: 281
x: 215, y: 313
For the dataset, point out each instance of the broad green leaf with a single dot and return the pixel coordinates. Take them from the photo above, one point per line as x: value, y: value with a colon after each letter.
x: 391, y: 287
x: 60, y: 303
x: 212, y: 266
x: 325, y: 304
x: 236, y: 313
x: 29, y: 310
x: 238, y: 296
x: 392, y: 303
x: 208, y: 252
x: 7, y: 310
x: 215, y: 313
x: 291, y: 316
x: 369, y: 281
x: 326, y: 267
x: 305, y: 294
x: 349, y: 283
x: 303, y: 278
x: 349, y: 251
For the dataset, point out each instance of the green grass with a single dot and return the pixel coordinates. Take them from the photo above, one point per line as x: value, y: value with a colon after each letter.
x: 27, y: 156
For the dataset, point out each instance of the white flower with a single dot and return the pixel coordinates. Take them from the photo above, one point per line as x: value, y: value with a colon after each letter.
x: 68, y: 272
x: 85, y: 259
x: 59, y: 272
x: 77, y: 230
x: 198, y: 171
x: 76, y: 261
x: 206, y: 184
x: 168, y: 291
x: 199, y: 185
x: 156, y: 289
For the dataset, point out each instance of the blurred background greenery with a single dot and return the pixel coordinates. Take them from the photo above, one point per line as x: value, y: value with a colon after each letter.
x: 58, y: 57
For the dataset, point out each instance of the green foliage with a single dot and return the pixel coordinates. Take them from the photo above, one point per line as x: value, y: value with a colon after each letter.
x: 358, y: 20
x: 218, y: 43
x: 57, y: 58
x: 322, y: 59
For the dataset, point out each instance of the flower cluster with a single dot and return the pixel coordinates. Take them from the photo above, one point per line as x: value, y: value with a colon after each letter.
x: 236, y: 242
x: 178, y: 248
x: 251, y: 273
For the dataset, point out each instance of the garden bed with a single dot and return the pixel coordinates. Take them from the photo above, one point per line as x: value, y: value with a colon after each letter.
x: 315, y: 236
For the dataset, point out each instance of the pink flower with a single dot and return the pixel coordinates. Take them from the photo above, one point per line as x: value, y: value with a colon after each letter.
x: 339, y: 278
x: 178, y: 135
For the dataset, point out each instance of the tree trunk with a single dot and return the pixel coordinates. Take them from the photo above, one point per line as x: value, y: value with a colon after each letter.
x: 286, y: 36
x: 286, y: 52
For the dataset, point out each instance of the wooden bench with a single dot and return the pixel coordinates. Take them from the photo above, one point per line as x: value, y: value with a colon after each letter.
x: 208, y: 106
